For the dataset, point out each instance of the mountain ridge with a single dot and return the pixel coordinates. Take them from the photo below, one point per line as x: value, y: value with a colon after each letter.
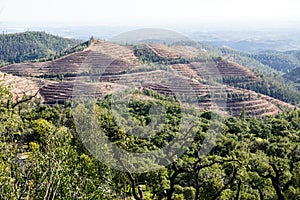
x: 107, y: 64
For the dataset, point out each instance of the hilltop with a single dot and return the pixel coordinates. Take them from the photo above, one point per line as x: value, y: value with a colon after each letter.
x: 21, y: 47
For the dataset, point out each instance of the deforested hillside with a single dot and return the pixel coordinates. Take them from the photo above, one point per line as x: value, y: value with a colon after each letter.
x: 185, y: 58
x: 22, y: 86
x: 187, y: 73
x: 98, y: 58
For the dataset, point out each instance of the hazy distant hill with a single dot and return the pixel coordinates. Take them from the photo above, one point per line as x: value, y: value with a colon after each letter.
x: 20, y: 47
x: 255, y: 46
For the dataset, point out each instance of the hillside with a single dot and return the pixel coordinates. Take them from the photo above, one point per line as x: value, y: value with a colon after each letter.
x: 280, y: 61
x: 105, y: 68
x: 21, y: 87
x: 97, y: 58
x: 20, y: 47
x: 294, y: 76
x: 272, y: 83
x: 184, y: 58
x: 223, y: 65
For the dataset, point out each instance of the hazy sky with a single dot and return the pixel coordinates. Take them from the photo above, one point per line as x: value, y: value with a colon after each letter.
x: 140, y: 12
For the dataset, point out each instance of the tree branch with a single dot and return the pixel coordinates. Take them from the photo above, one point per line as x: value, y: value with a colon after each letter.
x: 25, y: 99
x: 139, y: 196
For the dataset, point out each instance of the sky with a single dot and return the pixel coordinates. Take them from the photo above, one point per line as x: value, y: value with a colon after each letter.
x: 141, y: 12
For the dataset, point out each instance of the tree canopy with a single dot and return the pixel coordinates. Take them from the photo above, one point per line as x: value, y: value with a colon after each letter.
x: 42, y: 156
x: 28, y: 46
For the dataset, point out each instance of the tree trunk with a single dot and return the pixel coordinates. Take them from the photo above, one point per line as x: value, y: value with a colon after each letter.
x: 276, y: 182
x: 172, y: 185
x: 141, y: 193
x: 197, y: 191
x: 261, y: 194
x: 276, y: 185
x: 237, y: 197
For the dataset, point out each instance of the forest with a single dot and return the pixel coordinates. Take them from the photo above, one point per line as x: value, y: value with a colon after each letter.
x: 43, y: 157
x: 29, y: 46
x: 293, y: 75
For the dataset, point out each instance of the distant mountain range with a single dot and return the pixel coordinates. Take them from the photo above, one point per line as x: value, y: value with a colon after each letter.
x: 254, y: 46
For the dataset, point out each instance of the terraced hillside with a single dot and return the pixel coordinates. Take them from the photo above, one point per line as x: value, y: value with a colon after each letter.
x: 197, y: 63
x: 59, y: 92
x: 106, y: 68
x: 52, y: 92
x: 221, y: 98
x: 230, y: 100
x: 174, y: 51
x: 100, y: 57
x: 223, y: 70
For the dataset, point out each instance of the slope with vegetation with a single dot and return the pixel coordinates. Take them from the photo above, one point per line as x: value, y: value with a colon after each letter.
x: 294, y: 76
x: 272, y: 83
x: 43, y: 157
x: 27, y: 46
x: 279, y: 61
x: 92, y: 60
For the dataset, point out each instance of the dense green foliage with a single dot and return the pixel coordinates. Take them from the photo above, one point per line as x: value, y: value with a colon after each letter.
x: 294, y: 53
x: 244, y: 59
x: 42, y: 156
x: 278, y: 61
x: 146, y: 55
x: 27, y: 46
x: 294, y: 75
x: 269, y: 61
